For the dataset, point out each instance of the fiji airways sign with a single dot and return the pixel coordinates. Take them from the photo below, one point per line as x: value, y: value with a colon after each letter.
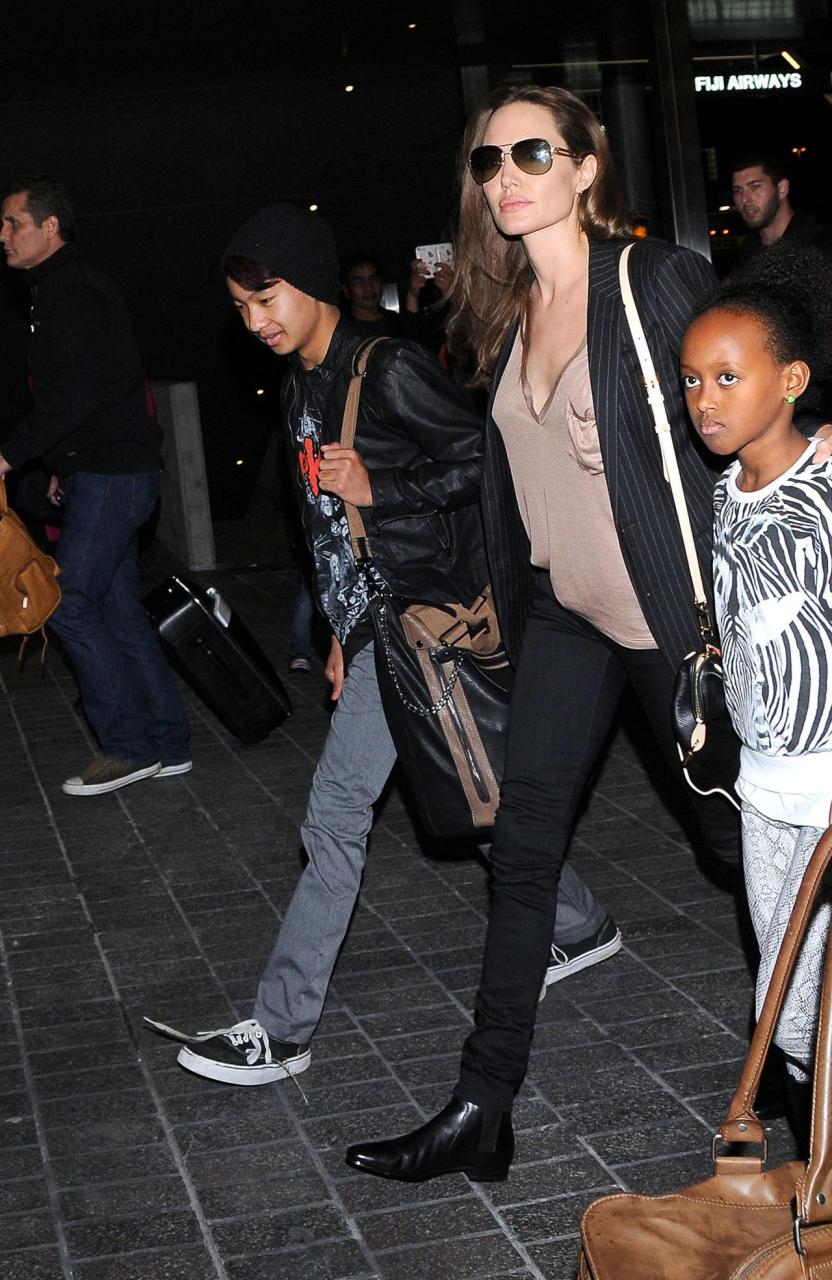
x: 750, y: 81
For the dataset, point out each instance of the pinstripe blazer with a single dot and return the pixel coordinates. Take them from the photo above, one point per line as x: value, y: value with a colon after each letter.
x: 667, y: 283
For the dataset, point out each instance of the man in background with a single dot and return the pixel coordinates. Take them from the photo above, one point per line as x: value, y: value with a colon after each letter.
x: 760, y: 192
x: 362, y: 288
x: 90, y: 424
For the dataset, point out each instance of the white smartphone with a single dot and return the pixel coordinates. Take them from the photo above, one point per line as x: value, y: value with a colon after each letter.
x: 433, y: 254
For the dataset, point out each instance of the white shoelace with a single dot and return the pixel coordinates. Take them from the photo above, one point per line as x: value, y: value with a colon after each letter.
x: 257, y: 1039
x: 252, y: 1034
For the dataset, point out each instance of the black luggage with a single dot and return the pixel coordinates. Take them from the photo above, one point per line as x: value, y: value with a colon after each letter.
x: 221, y: 661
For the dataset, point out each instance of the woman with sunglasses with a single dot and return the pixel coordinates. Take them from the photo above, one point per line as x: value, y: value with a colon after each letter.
x: 586, y: 558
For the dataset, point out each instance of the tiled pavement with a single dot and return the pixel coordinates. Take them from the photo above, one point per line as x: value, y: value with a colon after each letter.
x: 164, y: 899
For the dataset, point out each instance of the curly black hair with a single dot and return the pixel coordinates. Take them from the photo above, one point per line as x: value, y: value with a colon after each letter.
x: 788, y: 289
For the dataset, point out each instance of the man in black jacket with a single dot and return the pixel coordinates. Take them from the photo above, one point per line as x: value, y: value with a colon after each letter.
x: 415, y: 476
x: 90, y: 424
x: 760, y: 191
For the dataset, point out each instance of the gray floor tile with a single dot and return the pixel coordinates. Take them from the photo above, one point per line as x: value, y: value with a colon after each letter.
x: 185, y: 884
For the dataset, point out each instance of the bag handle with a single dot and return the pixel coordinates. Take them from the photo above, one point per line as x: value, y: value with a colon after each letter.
x: 669, y: 460
x: 4, y: 501
x: 814, y: 1191
x: 741, y: 1123
x: 358, y: 533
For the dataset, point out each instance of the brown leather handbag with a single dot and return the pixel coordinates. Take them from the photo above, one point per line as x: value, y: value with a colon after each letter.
x: 745, y: 1222
x: 29, y: 591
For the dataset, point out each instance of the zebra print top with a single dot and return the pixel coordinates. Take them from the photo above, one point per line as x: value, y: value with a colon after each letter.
x: 773, y: 593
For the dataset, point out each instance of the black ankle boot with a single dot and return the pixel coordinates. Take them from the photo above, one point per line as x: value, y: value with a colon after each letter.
x: 462, y: 1138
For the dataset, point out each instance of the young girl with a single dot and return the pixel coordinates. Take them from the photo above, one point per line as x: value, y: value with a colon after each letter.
x: 746, y: 362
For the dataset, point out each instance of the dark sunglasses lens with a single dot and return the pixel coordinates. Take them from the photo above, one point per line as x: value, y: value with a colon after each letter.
x: 484, y: 162
x: 532, y: 155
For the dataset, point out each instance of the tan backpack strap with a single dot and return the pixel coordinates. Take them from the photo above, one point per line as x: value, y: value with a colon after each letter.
x: 741, y: 1123
x: 4, y: 501
x: 358, y: 534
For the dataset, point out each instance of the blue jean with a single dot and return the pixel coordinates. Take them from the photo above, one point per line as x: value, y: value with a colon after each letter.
x: 300, y: 641
x: 355, y: 764
x: 128, y: 692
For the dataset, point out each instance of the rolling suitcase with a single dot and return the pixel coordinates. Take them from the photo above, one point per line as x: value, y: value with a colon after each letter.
x: 218, y: 657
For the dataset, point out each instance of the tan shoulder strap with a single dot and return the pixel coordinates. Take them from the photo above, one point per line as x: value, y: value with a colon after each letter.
x: 669, y: 460
x: 358, y: 534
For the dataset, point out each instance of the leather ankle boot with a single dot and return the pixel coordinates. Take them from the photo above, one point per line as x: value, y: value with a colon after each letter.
x: 462, y: 1138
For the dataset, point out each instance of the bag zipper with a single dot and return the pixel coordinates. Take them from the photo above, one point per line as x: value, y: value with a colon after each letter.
x: 701, y: 658
x: 765, y: 1254
x: 480, y: 785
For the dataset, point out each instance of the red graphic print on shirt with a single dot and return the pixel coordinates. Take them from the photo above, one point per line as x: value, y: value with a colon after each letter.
x: 309, y: 464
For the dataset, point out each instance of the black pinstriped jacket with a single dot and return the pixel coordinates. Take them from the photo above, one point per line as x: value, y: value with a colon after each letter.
x: 667, y: 282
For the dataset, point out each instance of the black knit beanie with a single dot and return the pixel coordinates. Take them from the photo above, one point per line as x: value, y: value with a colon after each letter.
x: 296, y: 245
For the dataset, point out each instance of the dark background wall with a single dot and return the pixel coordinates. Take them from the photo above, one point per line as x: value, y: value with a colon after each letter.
x: 172, y: 120
x: 171, y: 123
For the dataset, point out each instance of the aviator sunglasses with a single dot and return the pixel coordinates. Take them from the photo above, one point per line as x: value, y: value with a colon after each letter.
x: 531, y: 155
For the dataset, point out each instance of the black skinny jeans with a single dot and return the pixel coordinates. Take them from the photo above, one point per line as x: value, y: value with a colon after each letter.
x: 569, y: 682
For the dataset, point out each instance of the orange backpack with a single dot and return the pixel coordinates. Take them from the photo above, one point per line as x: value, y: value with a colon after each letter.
x: 29, y: 591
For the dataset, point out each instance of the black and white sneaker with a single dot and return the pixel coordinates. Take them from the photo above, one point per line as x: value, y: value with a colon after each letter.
x: 571, y: 958
x: 243, y: 1054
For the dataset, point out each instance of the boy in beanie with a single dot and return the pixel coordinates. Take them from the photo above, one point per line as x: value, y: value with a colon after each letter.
x: 415, y: 477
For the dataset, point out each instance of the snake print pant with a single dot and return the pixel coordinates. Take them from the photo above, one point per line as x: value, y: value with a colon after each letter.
x: 775, y: 856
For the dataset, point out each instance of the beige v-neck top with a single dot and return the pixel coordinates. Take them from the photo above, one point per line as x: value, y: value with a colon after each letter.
x: 558, y: 474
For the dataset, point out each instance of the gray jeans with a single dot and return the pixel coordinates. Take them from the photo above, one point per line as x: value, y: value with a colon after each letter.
x: 355, y: 763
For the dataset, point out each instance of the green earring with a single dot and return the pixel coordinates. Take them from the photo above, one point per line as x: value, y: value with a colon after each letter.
x: 790, y: 399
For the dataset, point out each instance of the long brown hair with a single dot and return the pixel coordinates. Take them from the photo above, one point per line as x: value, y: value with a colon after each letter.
x: 492, y: 276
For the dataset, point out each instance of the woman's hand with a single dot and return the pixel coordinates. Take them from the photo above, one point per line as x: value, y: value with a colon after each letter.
x: 55, y: 493
x: 343, y: 473
x: 334, y: 669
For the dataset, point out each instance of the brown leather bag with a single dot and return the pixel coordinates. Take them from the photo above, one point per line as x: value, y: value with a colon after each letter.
x: 744, y: 1223
x: 29, y: 591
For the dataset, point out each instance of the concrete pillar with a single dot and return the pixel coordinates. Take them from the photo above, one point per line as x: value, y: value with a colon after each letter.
x: 185, y: 522
x: 628, y: 127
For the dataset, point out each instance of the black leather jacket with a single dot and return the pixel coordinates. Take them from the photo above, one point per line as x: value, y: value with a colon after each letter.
x: 422, y: 446
x: 89, y: 410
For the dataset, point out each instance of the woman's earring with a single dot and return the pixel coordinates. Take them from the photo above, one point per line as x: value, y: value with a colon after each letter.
x: 790, y: 399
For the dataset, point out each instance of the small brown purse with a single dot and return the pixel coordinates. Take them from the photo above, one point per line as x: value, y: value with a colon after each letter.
x: 29, y: 591
x: 744, y: 1222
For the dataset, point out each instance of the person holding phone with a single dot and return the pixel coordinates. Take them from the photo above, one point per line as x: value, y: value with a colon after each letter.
x: 362, y: 288
x: 587, y: 564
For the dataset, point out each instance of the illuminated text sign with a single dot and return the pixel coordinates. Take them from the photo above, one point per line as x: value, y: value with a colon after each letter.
x: 749, y: 81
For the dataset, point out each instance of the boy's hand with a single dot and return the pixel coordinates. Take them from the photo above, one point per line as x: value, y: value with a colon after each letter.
x: 343, y: 473
x: 334, y: 669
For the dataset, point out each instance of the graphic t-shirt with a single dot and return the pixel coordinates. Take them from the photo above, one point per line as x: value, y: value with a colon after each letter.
x: 343, y: 589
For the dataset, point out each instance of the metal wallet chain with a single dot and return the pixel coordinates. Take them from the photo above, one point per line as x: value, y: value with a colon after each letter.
x: 414, y: 707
